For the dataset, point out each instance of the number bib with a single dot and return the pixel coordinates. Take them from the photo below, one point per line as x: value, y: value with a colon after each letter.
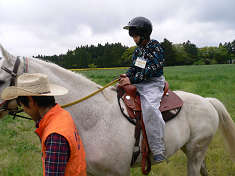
x: 140, y: 62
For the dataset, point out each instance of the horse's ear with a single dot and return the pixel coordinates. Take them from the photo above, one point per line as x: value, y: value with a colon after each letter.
x: 6, y: 55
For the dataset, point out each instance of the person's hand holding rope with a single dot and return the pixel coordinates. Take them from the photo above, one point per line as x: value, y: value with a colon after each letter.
x: 124, y: 80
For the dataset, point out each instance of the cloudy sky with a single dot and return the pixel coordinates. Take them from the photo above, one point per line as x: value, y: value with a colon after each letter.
x: 31, y: 27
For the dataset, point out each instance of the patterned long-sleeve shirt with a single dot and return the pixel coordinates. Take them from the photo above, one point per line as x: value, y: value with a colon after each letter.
x: 152, y: 55
x: 57, y: 155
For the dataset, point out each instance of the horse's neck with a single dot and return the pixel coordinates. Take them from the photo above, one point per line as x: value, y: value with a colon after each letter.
x: 61, y: 76
x: 76, y: 83
x: 78, y: 87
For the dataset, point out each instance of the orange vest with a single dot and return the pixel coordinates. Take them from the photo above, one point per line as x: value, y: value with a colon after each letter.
x: 59, y: 121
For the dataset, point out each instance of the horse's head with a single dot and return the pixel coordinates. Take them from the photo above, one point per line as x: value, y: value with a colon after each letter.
x: 7, y: 63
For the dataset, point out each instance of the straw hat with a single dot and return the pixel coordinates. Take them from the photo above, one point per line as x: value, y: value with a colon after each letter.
x: 35, y: 84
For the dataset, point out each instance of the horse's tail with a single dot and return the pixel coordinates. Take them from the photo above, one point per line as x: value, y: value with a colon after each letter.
x: 226, y: 125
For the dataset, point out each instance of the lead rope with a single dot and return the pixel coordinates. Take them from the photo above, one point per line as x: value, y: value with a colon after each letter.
x: 90, y: 95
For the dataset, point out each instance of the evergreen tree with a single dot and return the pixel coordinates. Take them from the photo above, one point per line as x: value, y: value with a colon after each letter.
x: 113, y: 55
x: 191, y: 51
x: 169, y: 52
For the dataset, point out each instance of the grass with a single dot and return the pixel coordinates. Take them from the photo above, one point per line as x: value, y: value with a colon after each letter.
x: 20, y: 147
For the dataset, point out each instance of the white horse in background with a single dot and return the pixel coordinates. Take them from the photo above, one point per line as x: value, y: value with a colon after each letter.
x: 109, y: 138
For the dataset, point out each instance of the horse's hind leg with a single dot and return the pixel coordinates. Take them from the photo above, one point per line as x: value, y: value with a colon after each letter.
x: 203, y: 170
x: 195, y: 152
x: 195, y: 163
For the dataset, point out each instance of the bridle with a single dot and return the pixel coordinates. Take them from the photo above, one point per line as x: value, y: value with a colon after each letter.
x: 14, y: 72
x: 4, y: 104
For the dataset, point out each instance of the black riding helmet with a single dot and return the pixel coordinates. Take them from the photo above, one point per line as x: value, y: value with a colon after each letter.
x: 139, y: 26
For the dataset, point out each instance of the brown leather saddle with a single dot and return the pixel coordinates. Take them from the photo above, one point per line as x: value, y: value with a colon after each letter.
x: 170, y: 103
x: 170, y: 106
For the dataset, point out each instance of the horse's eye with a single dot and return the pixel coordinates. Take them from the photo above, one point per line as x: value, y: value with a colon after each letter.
x: 2, y: 82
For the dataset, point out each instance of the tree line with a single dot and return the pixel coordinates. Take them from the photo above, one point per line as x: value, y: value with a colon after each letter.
x: 116, y: 55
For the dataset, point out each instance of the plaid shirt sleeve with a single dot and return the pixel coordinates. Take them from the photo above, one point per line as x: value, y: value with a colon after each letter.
x: 57, y: 155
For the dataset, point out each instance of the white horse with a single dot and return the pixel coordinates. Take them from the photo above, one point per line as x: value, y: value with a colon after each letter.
x: 109, y: 138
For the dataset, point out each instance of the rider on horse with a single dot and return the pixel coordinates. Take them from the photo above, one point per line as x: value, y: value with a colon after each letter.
x: 146, y: 73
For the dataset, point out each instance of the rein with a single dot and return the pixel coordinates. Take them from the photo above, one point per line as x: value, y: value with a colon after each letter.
x: 14, y: 72
x: 15, y: 114
x: 13, y: 79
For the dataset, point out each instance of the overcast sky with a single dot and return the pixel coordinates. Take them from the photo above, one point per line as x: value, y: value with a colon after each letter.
x: 31, y: 27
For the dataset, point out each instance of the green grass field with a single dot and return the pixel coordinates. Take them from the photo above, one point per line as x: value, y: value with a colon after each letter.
x: 20, y: 147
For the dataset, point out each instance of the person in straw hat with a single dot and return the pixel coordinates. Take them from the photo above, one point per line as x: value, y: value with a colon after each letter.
x: 62, y: 148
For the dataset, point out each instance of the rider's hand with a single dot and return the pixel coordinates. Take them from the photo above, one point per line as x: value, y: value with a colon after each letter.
x: 122, y: 75
x: 124, y: 81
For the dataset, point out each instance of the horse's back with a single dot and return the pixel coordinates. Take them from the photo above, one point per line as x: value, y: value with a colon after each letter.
x: 200, y: 112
